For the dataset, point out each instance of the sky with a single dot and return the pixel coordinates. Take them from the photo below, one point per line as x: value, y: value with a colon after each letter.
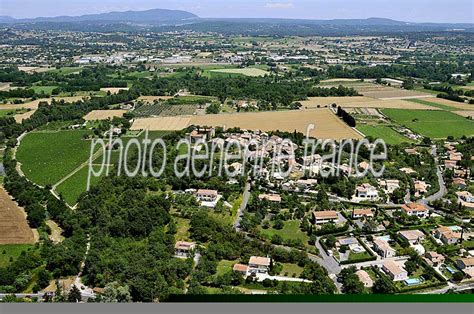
x: 449, y: 11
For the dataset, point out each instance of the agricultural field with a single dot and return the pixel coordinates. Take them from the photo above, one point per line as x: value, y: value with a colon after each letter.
x: 103, y: 114
x: 327, y: 124
x: 245, y: 71
x: 14, y: 228
x: 387, y: 92
x: 75, y: 185
x: 47, y: 90
x: 113, y: 90
x: 23, y: 116
x: 465, y: 113
x: 385, y: 132
x: 151, y: 99
x: 361, y: 102
x: 433, y: 104
x: 33, y: 104
x: 164, y: 109
x: 9, y: 112
x: 450, y: 103
x: 66, y: 70
x: 434, y: 124
x: 10, y: 252
x: 48, y: 156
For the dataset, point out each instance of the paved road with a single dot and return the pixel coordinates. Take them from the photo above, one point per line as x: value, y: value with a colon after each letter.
x: 442, y: 189
x: 243, y: 205
x: 327, y: 261
x: 459, y: 287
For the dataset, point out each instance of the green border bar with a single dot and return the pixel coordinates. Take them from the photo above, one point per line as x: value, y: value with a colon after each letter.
x: 334, y: 298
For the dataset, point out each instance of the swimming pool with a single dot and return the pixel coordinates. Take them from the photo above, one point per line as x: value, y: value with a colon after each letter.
x: 450, y: 269
x: 413, y: 281
x: 385, y: 238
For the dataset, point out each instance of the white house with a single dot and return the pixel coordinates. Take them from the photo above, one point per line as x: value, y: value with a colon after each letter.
x: 416, y: 209
x: 383, y: 248
x: 259, y: 264
x: 367, y: 191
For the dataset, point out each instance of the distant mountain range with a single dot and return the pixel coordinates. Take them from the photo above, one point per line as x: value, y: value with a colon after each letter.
x: 169, y: 20
x: 154, y: 16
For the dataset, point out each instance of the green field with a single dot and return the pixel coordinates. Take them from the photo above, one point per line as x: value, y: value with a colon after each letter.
x: 43, y: 89
x: 432, y: 123
x: 74, y: 186
x: 12, y: 251
x: 66, y: 70
x: 47, y: 157
x: 290, y: 231
x: 389, y: 135
x: 8, y: 112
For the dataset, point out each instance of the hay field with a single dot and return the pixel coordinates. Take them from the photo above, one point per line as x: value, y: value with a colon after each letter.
x: 362, y: 102
x: 387, y: 92
x: 23, y: 116
x: 5, y: 86
x: 104, y: 114
x: 327, y: 125
x: 151, y: 99
x: 447, y: 102
x: 465, y: 113
x: 113, y: 90
x: 14, y: 228
x: 245, y: 71
x: 161, y: 123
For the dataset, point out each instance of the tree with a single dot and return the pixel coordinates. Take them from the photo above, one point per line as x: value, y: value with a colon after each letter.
x: 74, y: 295
x: 113, y: 292
x: 383, y: 286
x: 408, y: 84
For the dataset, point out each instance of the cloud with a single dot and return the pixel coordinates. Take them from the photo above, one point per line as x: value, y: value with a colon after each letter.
x: 279, y: 5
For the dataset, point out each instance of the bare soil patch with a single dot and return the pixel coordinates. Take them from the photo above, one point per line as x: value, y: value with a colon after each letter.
x: 14, y: 228
x: 104, y: 114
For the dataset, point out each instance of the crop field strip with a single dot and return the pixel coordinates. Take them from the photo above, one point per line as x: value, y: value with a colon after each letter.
x: 434, y: 123
x: 164, y: 109
x: 327, y: 124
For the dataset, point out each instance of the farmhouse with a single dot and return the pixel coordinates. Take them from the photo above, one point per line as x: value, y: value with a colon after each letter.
x: 323, y: 217
x: 407, y: 170
x: 240, y: 268
x: 395, y: 271
x: 183, y: 248
x: 416, y: 209
x: 412, y: 236
x: 270, y: 197
x: 383, y: 248
x: 366, y: 212
x: 206, y: 195
x: 258, y: 264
